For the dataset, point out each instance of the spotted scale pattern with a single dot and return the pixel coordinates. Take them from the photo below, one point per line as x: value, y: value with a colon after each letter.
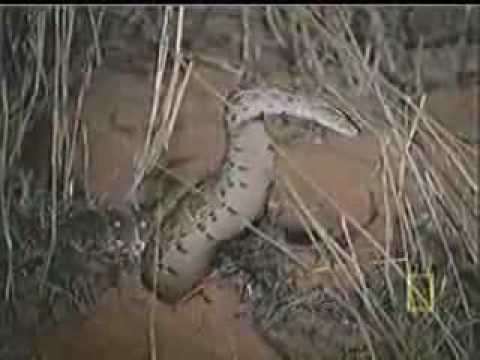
x: 228, y: 201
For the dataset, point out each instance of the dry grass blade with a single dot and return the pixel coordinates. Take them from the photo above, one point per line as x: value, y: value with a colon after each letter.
x: 269, y: 11
x: 38, y: 45
x: 172, y: 96
x: 3, y: 189
x: 87, y: 78
x: 178, y: 101
x: 56, y: 139
x: 96, y: 27
x: 151, y: 153
x: 246, y: 43
x: 68, y: 21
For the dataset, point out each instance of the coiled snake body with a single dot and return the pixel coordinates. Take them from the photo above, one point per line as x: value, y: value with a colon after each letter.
x: 225, y: 203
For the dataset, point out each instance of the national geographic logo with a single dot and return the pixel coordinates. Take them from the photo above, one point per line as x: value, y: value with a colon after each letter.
x: 420, y: 291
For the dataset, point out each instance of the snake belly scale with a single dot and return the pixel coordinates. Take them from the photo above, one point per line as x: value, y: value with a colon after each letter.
x: 224, y: 203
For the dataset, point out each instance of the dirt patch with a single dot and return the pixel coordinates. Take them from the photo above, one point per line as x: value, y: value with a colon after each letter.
x: 118, y: 329
x: 458, y: 110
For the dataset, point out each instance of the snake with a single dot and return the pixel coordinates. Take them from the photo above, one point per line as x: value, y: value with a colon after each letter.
x: 225, y: 203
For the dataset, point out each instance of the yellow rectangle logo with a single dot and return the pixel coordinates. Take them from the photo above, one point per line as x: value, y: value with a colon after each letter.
x: 420, y: 292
